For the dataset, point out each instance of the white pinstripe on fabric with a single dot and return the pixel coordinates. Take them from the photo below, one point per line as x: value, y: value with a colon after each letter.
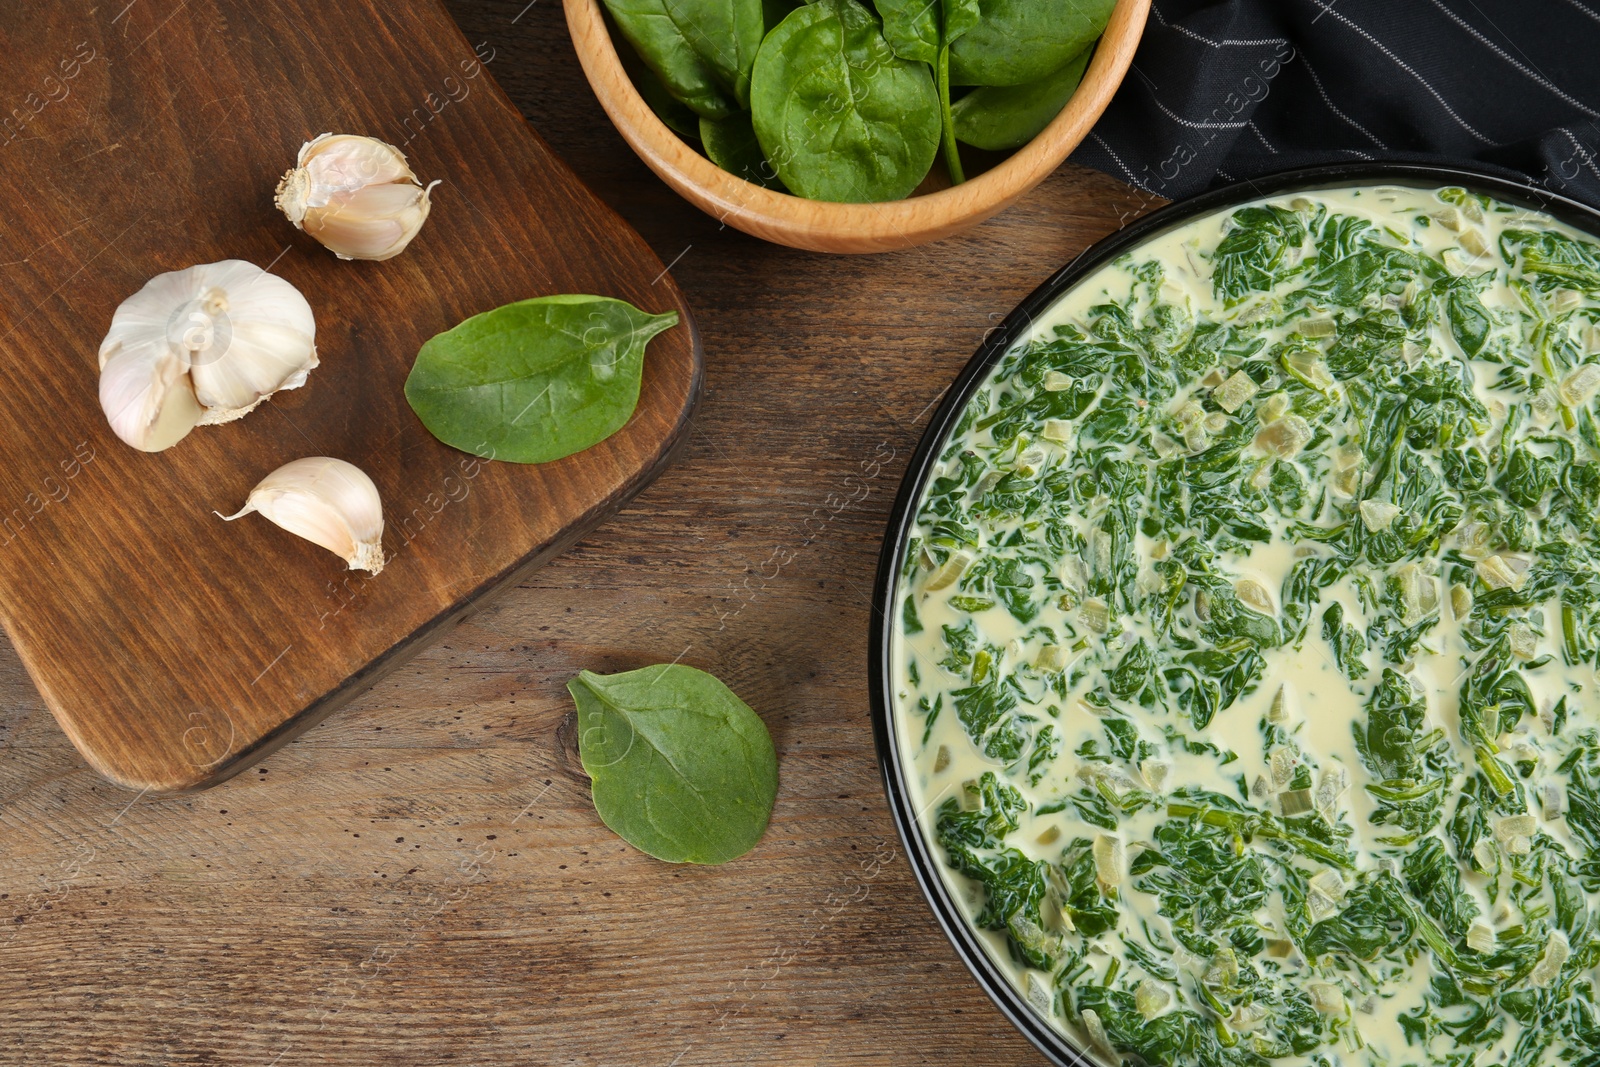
x: 1532, y: 75
x: 1328, y: 9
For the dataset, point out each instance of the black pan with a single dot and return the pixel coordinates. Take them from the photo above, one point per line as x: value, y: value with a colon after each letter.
x: 925, y: 861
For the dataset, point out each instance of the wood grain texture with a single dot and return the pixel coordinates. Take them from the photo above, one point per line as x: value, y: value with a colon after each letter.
x: 825, y: 227
x: 422, y: 880
x: 175, y: 650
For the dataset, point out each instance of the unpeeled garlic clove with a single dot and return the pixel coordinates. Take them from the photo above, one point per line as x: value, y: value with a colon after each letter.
x: 326, y: 501
x: 199, y: 346
x: 355, y: 195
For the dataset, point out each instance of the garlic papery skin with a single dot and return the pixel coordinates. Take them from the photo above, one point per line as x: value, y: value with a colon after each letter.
x: 326, y: 501
x: 200, y: 346
x: 355, y: 195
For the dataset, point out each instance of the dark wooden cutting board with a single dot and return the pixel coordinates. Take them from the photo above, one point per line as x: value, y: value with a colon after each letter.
x: 173, y: 648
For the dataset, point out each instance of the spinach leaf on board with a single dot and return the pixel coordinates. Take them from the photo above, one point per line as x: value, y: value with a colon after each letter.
x: 840, y: 116
x: 1018, y: 41
x: 997, y: 118
x: 668, y: 51
x: 680, y: 767
x: 536, y: 380
x: 731, y: 144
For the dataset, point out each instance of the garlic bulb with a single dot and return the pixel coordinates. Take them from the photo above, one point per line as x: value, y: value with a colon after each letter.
x: 355, y: 195
x: 328, y: 502
x: 201, y: 346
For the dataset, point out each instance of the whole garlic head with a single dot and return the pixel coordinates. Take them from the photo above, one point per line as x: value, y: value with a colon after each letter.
x: 328, y: 502
x: 355, y: 195
x: 201, y: 346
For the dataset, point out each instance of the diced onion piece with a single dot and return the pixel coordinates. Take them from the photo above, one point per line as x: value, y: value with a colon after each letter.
x: 1524, y: 642
x: 1316, y: 328
x: 1483, y: 854
x: 1550, y: 800
x: 1039, y: 997
x: 1448, y: 217
x: 1050, y: 836
x: 1335, y: 780
x: 1472, y: 244
x: 1095, y: 615
x: 1499, y: 572
x: 1247, y: 1017
x: 1280, y: 948
x: 1098, y: 1036
x: 1189, y: 413
x: 1154, y: 772
x: 1214, y: 377
x: 1108, y: 860
x: 1051, y: 658
x: 942, y: 760
x: 1460, y: 601
x: 1260, y: 790
x: 1282, y: 763
x: 1216, y: 422
x: 1234, y: 393
x: 1296, y: 802
x: 1564, y: 300
x: 1329, y: 884
x: 1326, y: 998
x: 1057, y: 430
x: 1377, y: 515
x: 1284, y: 438
x: 1254, y: 595
x: 1481, y: 939
x: 1515, y: 833
x: 1224, y: 969
x: 1548, y: 969
x: 1273, y: 408
x: 1472, y: 538
x: 1419, y: 593
x: 1056, y: 382
x: 946, y: 575
x: 1310, y: 368
x: 1151, y: 998
x: 1580, y: 385
x: 1278, y: 712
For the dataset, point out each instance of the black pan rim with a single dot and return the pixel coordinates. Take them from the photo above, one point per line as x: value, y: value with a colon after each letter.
x: 925, y: 865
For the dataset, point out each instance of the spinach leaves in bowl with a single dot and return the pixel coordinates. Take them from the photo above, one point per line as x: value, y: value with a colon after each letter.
x: 849, y: 102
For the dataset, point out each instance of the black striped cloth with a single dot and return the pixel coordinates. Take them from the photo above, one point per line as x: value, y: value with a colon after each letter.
x: 1230, y: 89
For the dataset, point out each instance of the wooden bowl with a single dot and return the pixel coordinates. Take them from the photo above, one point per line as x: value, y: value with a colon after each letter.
x: 828, y: 227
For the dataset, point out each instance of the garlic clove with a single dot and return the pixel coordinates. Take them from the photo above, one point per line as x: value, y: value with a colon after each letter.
x: 147, y: 398
x: 326, y: 501
x: 355, y: 195
x: 202, y: 345
x: 375, y: 223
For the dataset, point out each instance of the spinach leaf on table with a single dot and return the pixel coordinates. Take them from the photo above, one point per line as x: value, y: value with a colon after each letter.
x: 667, y: 50
x: 535, y: 380
x: 1002, y: 117
x: 680, y: 767
x: 1018, y: 41
x: 840, y: 116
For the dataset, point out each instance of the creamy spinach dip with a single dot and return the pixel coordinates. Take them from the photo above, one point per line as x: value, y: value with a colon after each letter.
x: 1246, y: 642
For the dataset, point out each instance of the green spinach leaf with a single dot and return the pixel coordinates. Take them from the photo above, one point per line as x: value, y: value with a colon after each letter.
x: 535, y: 380
x: 731, y: 144
x: 667, y: 50
x: 998, y: 118
x: 1019, y: 41
x: 840, y: 116
x: 680, y: 767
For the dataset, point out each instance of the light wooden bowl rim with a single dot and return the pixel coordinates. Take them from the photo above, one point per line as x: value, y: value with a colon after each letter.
x: 830, y: 227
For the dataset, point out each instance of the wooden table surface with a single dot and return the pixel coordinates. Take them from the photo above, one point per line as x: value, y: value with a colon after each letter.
x: 422, y: 879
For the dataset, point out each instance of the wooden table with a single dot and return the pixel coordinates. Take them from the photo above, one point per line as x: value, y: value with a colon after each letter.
x: 422, y: 879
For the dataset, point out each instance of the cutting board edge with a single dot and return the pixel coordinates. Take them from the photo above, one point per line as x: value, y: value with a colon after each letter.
x: 422, y: 636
